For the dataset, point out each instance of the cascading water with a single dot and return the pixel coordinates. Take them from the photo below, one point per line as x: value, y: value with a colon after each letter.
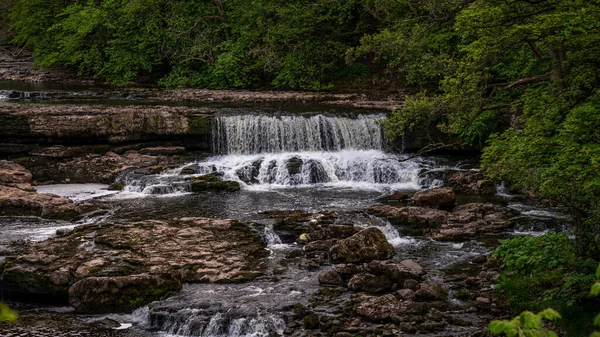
x: 252, y: 134
x: 265, y: 152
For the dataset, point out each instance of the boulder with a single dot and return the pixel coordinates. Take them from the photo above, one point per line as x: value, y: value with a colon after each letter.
x: 212, y: 182
x: 370, y: 283
x: 330, y: 278
x: 431, y: 291
x: 379, y: 308
x: 332, y: 232
x: 190, y: 250
x: 120, y: 293
x: 470, y: 182
x: 18, y: 202
x: 470, y: 220
x: 397, y: 272
x: 422, y: 217
x: 442, y: 197
x: 367, y: 245
x: 13, y: 175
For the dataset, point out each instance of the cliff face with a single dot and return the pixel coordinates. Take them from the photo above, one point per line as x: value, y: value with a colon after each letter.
x: 70, y: 143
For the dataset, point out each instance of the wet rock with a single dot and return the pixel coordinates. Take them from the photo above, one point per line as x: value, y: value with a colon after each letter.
x: 212, y: 182
x: 311, y: 321
x: 405, y: 294
x: 163, y: 151
x: 396, y: 197
x: 116, y: 187
x: 18, y: 202
x: 323, y: 245
x: 483, y: 303
x: 470, y: 182
x: 364, y: 246
x: 294, y: 165
x: 442, y: 197
x: 120, y: 293
x: 431, y: 327
x: 470, y: 220
x: 189, y: 170
x: 190, y: 250
x: 13, y: 174
x: 370, y: 283
x: 411, y: 284
x: 431, y: 291
x: 411, y: 215
x: 397, y: 272
x: 379, y: 308
x: 332, y: 232
x: 331, y: 278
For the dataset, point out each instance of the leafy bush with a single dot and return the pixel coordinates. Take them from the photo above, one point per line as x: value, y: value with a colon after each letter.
x: 545, y: 271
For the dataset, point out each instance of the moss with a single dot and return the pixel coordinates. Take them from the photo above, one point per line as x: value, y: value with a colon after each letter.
x: 463, y: 294
x: 199, y: 125
x: 311, y: 321
x: 116, y: 187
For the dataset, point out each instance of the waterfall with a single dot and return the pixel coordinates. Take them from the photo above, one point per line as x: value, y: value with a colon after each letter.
x: 252, y: 134
x: 349, y: 168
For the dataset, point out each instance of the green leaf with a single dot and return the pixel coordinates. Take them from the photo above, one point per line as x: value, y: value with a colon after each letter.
x: 7, y: 314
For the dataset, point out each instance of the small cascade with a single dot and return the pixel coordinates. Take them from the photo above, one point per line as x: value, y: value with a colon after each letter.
x: 26, y: 95
x: 361, y: 169
x: 271, y: 237
x: 155, y: 185
x: 251, y: 134
x: 192, y: 322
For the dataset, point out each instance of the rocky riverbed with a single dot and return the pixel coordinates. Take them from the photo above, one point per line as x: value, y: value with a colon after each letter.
x: 178, y: 219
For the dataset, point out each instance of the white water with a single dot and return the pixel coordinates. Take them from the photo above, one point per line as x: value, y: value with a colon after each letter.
x: 251, y: 134
x: 360, y: 169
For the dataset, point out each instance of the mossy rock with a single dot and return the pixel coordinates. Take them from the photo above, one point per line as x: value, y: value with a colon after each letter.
x: 294, y: 165
x: 116, y: 187
x: 311, y: 321
x: 212, y: 182
x: 188, y: 170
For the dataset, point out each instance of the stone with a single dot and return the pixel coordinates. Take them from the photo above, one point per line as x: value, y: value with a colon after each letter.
x: 120, y: 293
x: 422, y: 217
x: 406, y: 294
x: 397, y: 272
x: 332, y: 232
x: 470, y: 220
x: 396, y: 197
x: 470, y: 182
x: 163, y: 151
x: 190, y: 250
x: 370, y: 283
x: 411, y: 284
x: 212, y: 182
x: 367, y: 245
x: 379, y: 308
x: 294, y: 165
x: 483, y: 303
x: 323, y: 245
x: 431, y: 291
x: 442, y: 197
x: 116, y: 187
x: 331, y: 278
x: 13, y: 175
x: 18, y: 202
x: 189, y: 170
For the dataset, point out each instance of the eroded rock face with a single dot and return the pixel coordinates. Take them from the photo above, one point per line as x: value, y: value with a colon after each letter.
x: 442, y: 197
x: 19, y: 198
x: 465, y: 221
x: 367, y: 245
x: 120, y: 293
x: 470, y: 220
x: 188, y: 250
x: 380, y: 308
x: 470, y: 182
x: 13, y: 175
x: 18, y: 202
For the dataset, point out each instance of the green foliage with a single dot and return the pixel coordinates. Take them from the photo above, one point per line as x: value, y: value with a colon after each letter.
x: 7, y: 314
x: 527, y: 324
x: 546, y: 271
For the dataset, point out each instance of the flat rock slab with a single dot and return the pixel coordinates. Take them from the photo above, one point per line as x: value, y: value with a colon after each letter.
x: 187, y: 249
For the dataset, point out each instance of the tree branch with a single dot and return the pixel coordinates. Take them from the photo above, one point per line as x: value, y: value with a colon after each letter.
x: 526, y: 80
x: 428, y: 148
